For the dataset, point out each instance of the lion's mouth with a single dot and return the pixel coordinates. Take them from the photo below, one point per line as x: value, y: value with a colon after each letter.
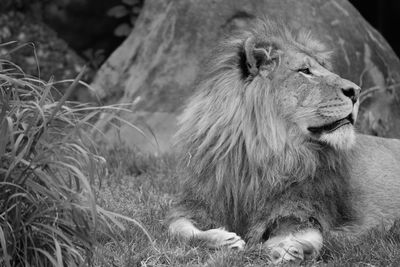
x: 332, y: 126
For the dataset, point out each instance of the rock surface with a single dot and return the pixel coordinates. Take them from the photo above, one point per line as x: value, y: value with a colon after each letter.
x: 156, y: 66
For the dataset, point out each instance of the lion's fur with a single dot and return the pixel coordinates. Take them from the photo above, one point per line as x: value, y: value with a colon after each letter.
x: 244, y: 166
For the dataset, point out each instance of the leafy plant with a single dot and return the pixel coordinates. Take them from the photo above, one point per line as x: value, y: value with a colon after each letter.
x: 48, y: 160
x: 128, y: 10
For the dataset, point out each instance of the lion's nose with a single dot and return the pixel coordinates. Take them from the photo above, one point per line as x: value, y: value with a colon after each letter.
x: 352, y: 92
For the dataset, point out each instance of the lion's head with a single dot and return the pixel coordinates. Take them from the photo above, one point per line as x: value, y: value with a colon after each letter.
x: 307, y: 96
x: 265, y: 105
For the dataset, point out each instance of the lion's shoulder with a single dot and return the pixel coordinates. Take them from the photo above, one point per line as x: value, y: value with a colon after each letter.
x: 375, y: 178
x: 375, y: 159
x: 374, y: 146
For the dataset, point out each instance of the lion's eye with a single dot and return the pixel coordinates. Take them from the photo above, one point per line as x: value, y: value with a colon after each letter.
x: 305, y: 71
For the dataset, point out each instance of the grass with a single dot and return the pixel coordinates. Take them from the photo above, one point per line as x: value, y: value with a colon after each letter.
x: 144, y: 187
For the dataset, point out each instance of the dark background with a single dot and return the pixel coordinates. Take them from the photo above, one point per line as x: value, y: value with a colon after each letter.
x: 384, y: 15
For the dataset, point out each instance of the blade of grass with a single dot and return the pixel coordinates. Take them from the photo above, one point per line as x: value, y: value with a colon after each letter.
x: 112, y: 216
x: 8, y: 43
x: 58, y: 253
x: 47, y: 255
x: 4, y: 137
x: 67, y: 94
x: 4, y: 247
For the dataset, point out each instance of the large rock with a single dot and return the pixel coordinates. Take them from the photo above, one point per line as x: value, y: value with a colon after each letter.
x: 156, y: 66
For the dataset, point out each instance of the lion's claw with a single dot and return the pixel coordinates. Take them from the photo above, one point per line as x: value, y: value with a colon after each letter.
x: 238, y: 245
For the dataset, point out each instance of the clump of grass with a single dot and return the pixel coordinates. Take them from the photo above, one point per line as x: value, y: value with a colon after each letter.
x: 48, y: 213
x: 379, y: 247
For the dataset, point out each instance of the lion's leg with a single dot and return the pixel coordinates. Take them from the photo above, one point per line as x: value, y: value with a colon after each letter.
x: 214, y: 238
x: 294, y: 247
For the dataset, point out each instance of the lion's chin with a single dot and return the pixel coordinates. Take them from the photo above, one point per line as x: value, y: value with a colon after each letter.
x: 342, y: 138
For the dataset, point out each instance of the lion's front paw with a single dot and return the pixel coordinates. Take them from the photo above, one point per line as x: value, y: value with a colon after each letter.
x: 294, y: 247
x: 216, y: 238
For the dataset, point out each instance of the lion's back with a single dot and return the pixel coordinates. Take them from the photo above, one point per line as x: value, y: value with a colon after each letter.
x: 375, y: 180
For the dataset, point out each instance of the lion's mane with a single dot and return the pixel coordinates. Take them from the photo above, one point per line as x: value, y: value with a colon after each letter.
x: 244, y: 165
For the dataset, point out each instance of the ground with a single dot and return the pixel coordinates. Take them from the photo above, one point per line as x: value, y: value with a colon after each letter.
x: 144, y: 187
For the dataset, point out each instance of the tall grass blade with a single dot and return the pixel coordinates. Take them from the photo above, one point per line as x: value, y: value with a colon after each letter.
x: 3, y: 242
x: 67, y: 94
x: 58, y: 253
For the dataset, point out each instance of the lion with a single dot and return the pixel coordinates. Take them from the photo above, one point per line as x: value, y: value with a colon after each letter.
x: 270, y: 154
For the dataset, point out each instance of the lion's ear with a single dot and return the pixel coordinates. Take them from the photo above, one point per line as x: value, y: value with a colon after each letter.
x: 261, y: 58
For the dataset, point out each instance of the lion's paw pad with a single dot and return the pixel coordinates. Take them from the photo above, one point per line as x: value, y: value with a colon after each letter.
x: 294, y: 248
x: 216, y: 238
x: 286, y: 252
